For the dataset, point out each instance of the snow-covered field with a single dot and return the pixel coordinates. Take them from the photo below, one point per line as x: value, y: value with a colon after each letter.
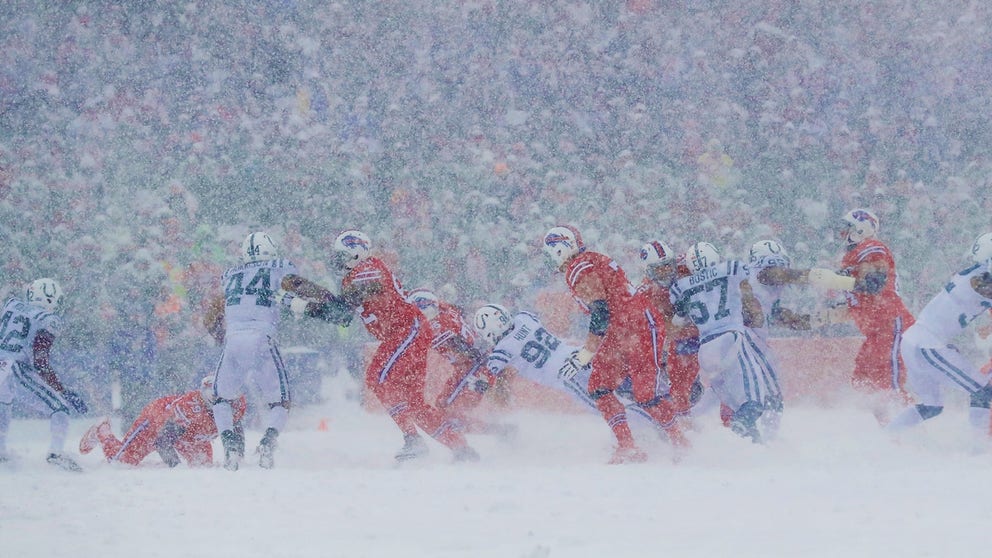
x: 832, y: 485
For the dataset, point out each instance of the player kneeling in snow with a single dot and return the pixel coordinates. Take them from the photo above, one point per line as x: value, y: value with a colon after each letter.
x: 175, y: 426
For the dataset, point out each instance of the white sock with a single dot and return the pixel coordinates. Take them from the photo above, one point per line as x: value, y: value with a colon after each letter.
x: 277, y: 417
x: 223, y: 416
x: 59, y: 424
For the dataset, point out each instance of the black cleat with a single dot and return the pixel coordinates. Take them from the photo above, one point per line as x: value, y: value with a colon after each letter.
x: 234, y: 448
x: 267, y: 448
x: 63, y: 462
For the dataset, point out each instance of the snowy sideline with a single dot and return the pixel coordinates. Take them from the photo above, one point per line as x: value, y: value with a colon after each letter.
x: 832, y: 485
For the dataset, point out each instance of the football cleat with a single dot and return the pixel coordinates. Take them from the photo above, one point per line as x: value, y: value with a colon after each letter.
x: 414, y: 447
x: 267, y: 448
x: 234, y: 448
x: 64, y: 462
x: 91, y: 439
x: 628, y: 454
x: 465, y: 454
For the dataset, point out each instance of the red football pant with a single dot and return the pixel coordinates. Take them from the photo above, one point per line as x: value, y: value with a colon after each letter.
x: 878, y: 366
x: 397, y: 375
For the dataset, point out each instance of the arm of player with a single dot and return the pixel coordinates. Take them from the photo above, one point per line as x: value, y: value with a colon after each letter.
x: 829, y: 280
x: 305, y: 288
x: 778, y: 275
x: 165, y: 443
x: 41, y: 351
x: 788, y: 318
x: 754, y: 316
x: 213, y: 319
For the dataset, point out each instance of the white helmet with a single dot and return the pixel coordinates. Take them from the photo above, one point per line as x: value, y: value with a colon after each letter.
x: 768, y: 249
x: 700, y: 256
x: 981, y: 250
x: 561, y: 243
x: 657, y: 252
x: 350, y: 248
x: 207, y: 388
x: 861, y: 224
x: 44, y: 293
x: 426, y: 300
x: 258, y: 246
x: 492, y: 321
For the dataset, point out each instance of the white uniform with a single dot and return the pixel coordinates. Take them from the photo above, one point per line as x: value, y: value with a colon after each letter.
x: 926, y: 347
x: 251, y: 317
x: 732, y: 360
x: 537, y: 355
x: 20, y: 323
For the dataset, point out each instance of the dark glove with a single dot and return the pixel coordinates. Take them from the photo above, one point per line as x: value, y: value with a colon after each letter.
x: 76, y: 401
x: 165, y: 444
x: 478, y: 384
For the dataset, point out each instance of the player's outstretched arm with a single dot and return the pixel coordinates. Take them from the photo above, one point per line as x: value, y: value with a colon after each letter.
x: 213, y: 319
x: 305, y: 288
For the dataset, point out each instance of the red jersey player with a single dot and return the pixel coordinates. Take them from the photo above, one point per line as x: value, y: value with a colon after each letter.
x: 174, y: 426
x: 398, y: 370
x: 869, y: 279
x: 682, y: 344
x: 453, y: 339
x: 625, y: 339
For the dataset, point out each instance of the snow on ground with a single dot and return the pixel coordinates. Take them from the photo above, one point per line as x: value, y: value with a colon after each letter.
x: 832, y: 485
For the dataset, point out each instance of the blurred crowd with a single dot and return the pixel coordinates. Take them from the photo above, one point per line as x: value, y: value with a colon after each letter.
x: 140, y: 141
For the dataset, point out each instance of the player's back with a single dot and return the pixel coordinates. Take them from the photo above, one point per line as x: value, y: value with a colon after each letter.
x: 448, y: 326
x: 532, y: 350
x: 955, y: 306
x: 249, y: 290
x: 20, y: 322
x: 712, y: 298
x: 593, y: 276
x: 385, y: 309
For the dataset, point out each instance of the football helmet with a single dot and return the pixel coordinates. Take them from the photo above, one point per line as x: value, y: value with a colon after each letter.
x: 767, y: 249
x: 700, y: 256
x: 426, y: 300
x: 981, y: 250
x: 258, y: 246
x: 657, y: 257
x: 859, y: 224
x: 207, y: 389
x: 561, y: 243
x: 350, y: 248
x: 492, y: 321
x: 44, y: 293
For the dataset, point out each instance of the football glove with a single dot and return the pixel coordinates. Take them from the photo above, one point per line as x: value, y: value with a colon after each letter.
x: 577, y: 361
x: 76, y: 401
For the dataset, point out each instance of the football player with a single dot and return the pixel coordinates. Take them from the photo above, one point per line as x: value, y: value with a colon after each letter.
x: 246, y: 319
x: 625, y: 339
x: 522, y: 346
x: 28, y: 329
x: 682, y: 337
x: 718, y: 298
x: 454, y: 340
x: 397, y: 372
x: 932, y: 361
x: 174, y: 425
x: 868, y: 278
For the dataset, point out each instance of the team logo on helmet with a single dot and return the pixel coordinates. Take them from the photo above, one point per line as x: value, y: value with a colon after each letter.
x: 862, y: 215
x: 351, y: 241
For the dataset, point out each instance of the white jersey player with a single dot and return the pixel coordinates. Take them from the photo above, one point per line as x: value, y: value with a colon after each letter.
x: 523, y: 344
x: 28, y: 329
x: 932, y: 361
x: 719, y: 300
x: 249, y: 313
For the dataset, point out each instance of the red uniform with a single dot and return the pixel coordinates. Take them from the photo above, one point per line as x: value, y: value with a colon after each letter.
x: 453, y: 339
x: 882, y: 318
x: 630, y: 347
x: 681, y: 347
x: 398, y: 370
x: 186, y: 411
